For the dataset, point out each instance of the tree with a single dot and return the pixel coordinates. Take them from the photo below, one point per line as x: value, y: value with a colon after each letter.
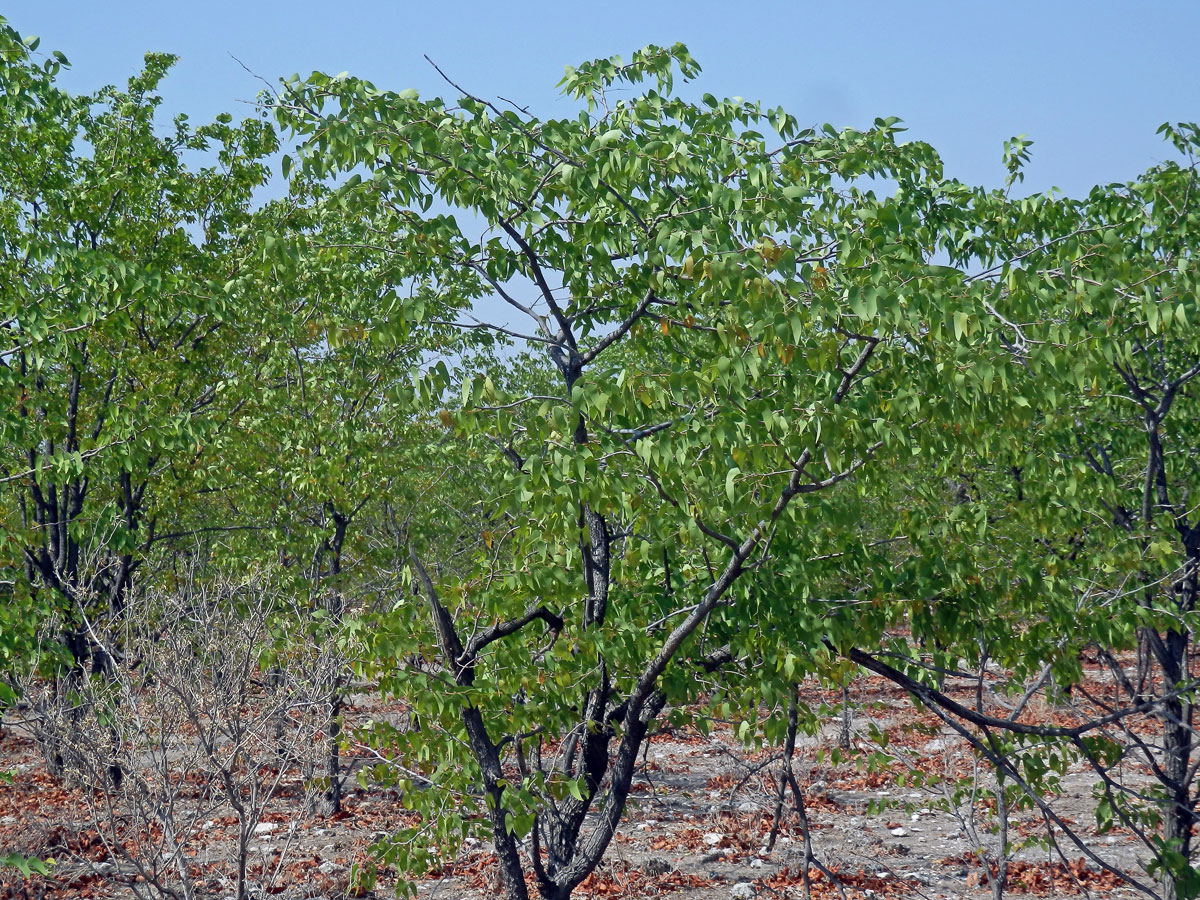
x: 738, y: 333
x: 118, y: 270
x: 1073, y: 531
x: 337, y: 438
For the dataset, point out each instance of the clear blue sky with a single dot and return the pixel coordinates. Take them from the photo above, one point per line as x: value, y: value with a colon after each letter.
x: 1088, y: 81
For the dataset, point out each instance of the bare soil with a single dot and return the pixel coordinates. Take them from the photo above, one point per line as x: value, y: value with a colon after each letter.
x: 697, y: 831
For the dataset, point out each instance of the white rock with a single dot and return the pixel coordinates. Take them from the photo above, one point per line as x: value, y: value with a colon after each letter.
x: 742, y: 891
x: 713, y: 838
x: 756, y: 863
x: 264, y: 827
x: 899, y: 832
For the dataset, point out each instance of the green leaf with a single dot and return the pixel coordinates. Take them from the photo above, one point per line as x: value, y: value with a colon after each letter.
x: 730, y: 482
x: 961, y: 323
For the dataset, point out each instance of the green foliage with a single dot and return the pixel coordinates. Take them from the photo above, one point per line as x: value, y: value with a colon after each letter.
x: 762, y: 403
x: 27, y: 866
x: 738, y: 340
x: 125, y: 321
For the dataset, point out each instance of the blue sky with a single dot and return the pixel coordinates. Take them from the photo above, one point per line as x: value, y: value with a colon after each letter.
x: 1088, y: 81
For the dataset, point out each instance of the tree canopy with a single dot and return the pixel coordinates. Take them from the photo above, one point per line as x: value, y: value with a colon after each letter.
x: 560, y: 427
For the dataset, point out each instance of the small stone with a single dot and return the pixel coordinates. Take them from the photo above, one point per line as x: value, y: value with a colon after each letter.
x: 328, y: 867
x: 713, y: 838
x: 756, y: 863
x: 742, y: 891
x: 899, y: 832
x: 264, y: 827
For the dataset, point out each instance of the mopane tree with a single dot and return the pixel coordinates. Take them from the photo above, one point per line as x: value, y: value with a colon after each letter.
x: 736, y: 325
x: 1069, y: 527
x: 327, y: 443
x: 119, y: 326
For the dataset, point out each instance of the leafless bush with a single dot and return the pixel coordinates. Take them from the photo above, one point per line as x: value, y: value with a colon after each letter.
x: 187, y: 737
